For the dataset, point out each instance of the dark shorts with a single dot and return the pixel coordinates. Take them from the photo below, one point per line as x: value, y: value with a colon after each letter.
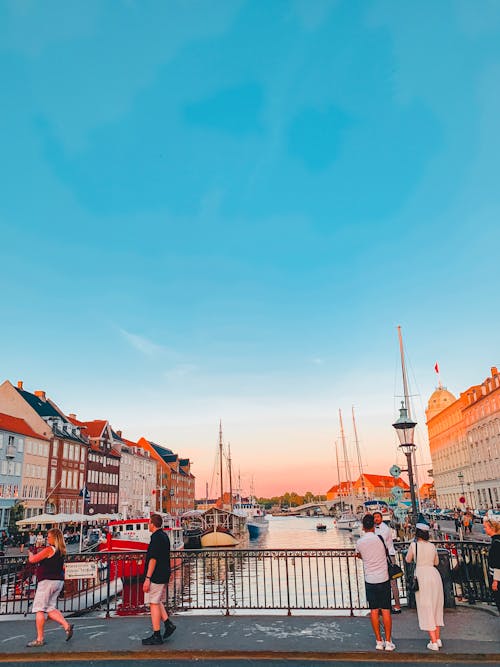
x: 379, y: 595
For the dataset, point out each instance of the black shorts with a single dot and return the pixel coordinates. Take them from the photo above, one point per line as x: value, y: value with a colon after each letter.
x: 379, y: 595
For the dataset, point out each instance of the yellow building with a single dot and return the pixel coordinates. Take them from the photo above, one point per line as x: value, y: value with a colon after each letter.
x: 464, y: 440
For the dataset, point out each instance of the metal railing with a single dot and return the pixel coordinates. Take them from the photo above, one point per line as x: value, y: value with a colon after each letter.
x: 248, y: 579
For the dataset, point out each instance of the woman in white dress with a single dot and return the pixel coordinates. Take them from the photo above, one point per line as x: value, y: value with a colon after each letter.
x: 430, y: 594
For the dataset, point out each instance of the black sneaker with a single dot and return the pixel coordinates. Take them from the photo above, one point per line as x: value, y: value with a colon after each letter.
x: 169, y: 629
x: 153, y: 640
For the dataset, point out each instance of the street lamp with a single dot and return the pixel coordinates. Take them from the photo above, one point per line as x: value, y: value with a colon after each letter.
x: 405, y: 428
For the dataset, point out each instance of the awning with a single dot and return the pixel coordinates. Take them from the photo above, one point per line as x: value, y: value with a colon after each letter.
x: 43, y: 519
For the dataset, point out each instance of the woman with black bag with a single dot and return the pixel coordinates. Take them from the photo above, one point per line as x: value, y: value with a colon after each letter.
x: 429, y: 595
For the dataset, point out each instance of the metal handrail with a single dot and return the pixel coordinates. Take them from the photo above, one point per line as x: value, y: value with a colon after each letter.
x: 246, y: 579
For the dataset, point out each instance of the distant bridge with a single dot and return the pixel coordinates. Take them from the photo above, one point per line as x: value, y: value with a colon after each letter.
x: 325, y: 507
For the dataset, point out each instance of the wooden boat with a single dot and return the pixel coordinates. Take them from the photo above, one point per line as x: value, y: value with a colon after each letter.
x: 217, y: 536
x: 221, y: 528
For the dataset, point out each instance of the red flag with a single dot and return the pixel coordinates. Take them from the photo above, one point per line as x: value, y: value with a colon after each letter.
x: 436, y: 368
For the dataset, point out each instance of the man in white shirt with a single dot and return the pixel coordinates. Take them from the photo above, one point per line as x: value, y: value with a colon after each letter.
x: 383, y: 529
x: 370, y: 548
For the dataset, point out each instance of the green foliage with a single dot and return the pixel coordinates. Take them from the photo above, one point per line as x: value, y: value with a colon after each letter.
x: 291, y: 499
x: 16, y: 514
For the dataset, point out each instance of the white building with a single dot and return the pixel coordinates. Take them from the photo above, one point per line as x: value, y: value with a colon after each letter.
x: 137, y: 480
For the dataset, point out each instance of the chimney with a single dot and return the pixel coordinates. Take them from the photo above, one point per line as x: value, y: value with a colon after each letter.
x: 41, y: 395
x: 72, y: 415
x: 119, y: 434
x: 494, y: 371
x: 19, y: 384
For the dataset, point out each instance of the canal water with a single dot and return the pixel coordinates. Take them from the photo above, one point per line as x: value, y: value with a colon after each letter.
x: 292, y: 532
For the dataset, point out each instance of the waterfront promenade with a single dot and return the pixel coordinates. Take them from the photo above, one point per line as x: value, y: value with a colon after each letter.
x: 471, y: 634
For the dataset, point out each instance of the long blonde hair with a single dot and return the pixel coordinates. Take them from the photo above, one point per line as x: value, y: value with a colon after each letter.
x: 60, y: 544
x: 493, y: 524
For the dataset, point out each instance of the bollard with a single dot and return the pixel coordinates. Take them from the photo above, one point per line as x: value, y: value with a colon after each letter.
x: 444, y: 570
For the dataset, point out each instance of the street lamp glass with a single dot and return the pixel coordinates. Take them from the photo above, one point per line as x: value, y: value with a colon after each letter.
x: 405, y: 429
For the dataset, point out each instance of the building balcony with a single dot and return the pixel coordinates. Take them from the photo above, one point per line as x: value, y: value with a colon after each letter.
x: 10, y: 452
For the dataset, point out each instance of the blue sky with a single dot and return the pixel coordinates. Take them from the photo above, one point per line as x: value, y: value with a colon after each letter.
x: 223, y: 210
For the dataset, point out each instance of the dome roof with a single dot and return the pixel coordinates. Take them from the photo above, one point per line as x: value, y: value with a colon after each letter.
x: 439, y: 400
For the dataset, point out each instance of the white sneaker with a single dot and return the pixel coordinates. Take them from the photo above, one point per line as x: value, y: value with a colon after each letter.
x: 432, y: 646
x: 439, y: 643
x: 380, y: 646
x: 389, y: 646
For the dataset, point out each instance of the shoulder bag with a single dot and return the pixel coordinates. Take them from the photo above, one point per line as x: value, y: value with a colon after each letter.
x: 411, y: 580
x: 395, y: 572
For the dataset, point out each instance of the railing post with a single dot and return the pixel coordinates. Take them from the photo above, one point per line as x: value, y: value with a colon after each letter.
x: 226, y: 578
x: 108, y: 575
x: 287, y: 585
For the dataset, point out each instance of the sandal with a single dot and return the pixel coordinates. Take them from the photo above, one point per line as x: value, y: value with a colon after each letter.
x: 36, y: 642
x: 69, y: 632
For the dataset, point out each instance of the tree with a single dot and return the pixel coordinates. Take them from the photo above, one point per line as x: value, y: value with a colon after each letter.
x: 16, y: 514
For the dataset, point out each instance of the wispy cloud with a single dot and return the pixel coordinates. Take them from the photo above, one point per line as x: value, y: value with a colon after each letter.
x: 142, y: 344
x: 318, y: 361
x: 180, y: 371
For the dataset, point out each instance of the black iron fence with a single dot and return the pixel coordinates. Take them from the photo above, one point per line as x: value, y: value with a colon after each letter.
x: 251, y: 579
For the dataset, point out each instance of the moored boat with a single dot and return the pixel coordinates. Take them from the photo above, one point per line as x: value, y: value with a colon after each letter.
x: 254, y: 514
x: 133, y: 535
x: 221, y: 528
x: 321, y: 526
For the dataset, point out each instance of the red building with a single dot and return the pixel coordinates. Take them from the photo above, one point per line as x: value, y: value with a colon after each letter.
x: 103, y: 465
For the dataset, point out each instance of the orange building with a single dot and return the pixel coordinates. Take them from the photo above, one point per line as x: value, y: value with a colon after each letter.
x: 174, y: 492
x: 339, y: 492
x: 378, y: 486
x: 427, y: 491
x: 464, y: 440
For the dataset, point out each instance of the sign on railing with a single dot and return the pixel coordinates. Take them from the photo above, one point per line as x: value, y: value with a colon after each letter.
x: 81, y: 570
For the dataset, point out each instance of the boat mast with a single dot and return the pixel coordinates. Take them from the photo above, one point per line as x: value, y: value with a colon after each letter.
x: 338, y: 475
x: 407, y: 406
x: 230, y: 475
x: 220, y: 465
x: 360, y: 463
x: 346, y: 461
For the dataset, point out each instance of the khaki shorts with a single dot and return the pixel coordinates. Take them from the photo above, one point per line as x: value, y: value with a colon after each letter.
x: 157, y: 593
x: 46, y: 595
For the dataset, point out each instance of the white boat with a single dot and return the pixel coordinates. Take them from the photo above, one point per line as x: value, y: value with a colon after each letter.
x: 346, y: 521
x: 381, y: 506
x: 254, y: 514
x: 357, y: 529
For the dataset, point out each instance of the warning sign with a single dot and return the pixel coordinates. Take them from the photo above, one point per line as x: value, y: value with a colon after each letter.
x: 84, y: 570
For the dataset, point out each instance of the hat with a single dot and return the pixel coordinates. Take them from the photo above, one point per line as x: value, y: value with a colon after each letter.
x: 422, y: 526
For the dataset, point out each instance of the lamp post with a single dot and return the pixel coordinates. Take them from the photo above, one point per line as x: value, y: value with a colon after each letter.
x: 405, y: 428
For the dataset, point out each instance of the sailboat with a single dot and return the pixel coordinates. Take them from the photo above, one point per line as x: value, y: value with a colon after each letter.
x: 222, y: 528
x: 356, y: 527
x: 347, y: 518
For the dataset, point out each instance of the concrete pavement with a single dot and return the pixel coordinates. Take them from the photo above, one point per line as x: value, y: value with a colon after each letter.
x: 470, y: 634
